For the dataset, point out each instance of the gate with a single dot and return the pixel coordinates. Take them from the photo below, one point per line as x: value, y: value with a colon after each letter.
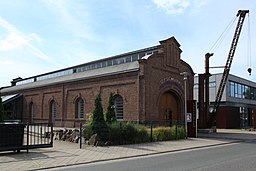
x: 20, y: 136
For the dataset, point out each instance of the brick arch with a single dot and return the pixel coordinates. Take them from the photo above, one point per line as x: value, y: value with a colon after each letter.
x: 170, y: 106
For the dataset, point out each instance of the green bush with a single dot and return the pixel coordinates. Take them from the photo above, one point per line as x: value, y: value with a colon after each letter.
x: 181, y: 133
x: 161, y: 133
x: 99, y: 125
x: 110, y: 114
x: 131, y: 133
x: 87, y: 131
x: 127, y: 133
x: 167, y: 133
x: 142, y: 134
x: 114, y: 133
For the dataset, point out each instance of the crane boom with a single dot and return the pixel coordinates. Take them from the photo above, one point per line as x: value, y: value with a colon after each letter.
x: 241, y: 14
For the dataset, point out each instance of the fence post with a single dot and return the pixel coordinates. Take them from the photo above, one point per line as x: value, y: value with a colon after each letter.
x: 80, y: 140
x: 151, y: 132
x: 120, y: 133
x: 52, y: 134
x: 27, y: 136
x: 176, y: 130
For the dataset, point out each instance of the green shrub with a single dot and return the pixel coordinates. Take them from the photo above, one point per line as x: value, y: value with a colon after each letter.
x: 142, y: 134
x: 130, y: 133
x: 110, y: 114
x: 167, y: 133
x: 99, y: 125
x: 87, y: 131
x: 114, y: 133
x: 161, y: 133
x: 181, y: 133
x: 127, y: 133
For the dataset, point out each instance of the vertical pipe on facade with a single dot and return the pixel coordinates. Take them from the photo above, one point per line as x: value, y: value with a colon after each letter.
x: 62, y: 112
x: 138, y: 97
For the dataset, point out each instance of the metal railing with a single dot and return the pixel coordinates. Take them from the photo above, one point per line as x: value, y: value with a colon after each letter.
x: 20, y: 136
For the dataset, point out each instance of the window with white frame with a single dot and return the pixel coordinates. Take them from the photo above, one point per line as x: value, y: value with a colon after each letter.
x: 32, y: 111
x: 119, y: 107
x: 79, y: 108
x: 53, y: 110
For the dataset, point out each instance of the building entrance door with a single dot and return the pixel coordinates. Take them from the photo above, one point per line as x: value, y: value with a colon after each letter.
x: 168, y: 107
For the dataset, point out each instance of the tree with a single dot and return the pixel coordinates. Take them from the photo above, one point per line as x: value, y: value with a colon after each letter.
x: 110, y: 114
x: 1, y: 110
x: 99, y: 125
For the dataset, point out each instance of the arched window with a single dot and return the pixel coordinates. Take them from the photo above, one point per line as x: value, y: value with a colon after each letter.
x: 79, y: 108
x: 31, y: 112
x: 119, y: 107
x: 52, y: 111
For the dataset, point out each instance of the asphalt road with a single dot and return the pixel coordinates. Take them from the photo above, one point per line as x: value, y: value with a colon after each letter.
x: 233, y: 157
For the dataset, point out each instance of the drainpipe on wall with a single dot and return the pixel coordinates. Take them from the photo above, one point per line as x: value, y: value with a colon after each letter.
x: 138, y: 97
x: 62, y: 108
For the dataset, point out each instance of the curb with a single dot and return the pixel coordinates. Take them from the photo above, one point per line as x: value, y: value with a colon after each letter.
x: 141, y: 155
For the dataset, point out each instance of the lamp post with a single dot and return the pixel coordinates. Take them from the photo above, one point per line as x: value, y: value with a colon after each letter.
x: 207, y: 76
x: 185, y: 77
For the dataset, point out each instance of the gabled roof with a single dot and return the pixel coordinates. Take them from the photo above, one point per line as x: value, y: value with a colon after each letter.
x: 170, y: 39
x: 107, y: 71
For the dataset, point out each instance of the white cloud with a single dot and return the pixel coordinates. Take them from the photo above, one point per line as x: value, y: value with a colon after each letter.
x: 179, y: 6
x: 16, y: 39
x: 74, y: 17
x: 34, y: 36
x: 12, y: 41
x: 172, y: 6
x: 7, y: 62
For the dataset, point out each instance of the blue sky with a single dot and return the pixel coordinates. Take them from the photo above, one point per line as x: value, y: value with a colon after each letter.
x: 38, y: 36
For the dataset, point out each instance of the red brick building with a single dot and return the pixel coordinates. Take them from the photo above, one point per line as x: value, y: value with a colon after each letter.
x: 146, y: 84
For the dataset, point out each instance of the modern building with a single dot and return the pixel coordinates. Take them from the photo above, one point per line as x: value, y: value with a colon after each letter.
x: 147, y: 86
x: 238, y: 104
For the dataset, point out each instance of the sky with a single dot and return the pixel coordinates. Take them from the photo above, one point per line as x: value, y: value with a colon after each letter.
x: 39, y: 36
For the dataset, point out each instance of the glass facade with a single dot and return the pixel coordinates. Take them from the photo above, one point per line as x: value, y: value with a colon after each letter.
x: 239, y: 90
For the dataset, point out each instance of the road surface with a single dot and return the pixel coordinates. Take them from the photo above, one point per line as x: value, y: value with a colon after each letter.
x: 233, y: 157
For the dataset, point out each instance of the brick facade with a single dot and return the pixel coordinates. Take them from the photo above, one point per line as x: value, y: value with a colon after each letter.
x: 148, y: 92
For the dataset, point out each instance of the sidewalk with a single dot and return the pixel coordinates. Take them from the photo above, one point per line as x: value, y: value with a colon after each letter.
x: 232, y: 134
x: 65, y: 153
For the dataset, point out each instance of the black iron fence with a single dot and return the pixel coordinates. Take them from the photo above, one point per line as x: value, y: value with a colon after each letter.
x: 175, y: 125
x: 20, y: 136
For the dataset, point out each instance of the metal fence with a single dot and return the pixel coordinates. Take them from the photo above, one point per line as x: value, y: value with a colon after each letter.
x: 20, y: 136
x: 174, y: 124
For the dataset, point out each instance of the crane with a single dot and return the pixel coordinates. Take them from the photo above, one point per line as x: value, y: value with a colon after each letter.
x: 212, y: 115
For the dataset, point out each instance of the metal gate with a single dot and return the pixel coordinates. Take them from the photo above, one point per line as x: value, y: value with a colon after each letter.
x: 20, y: 136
